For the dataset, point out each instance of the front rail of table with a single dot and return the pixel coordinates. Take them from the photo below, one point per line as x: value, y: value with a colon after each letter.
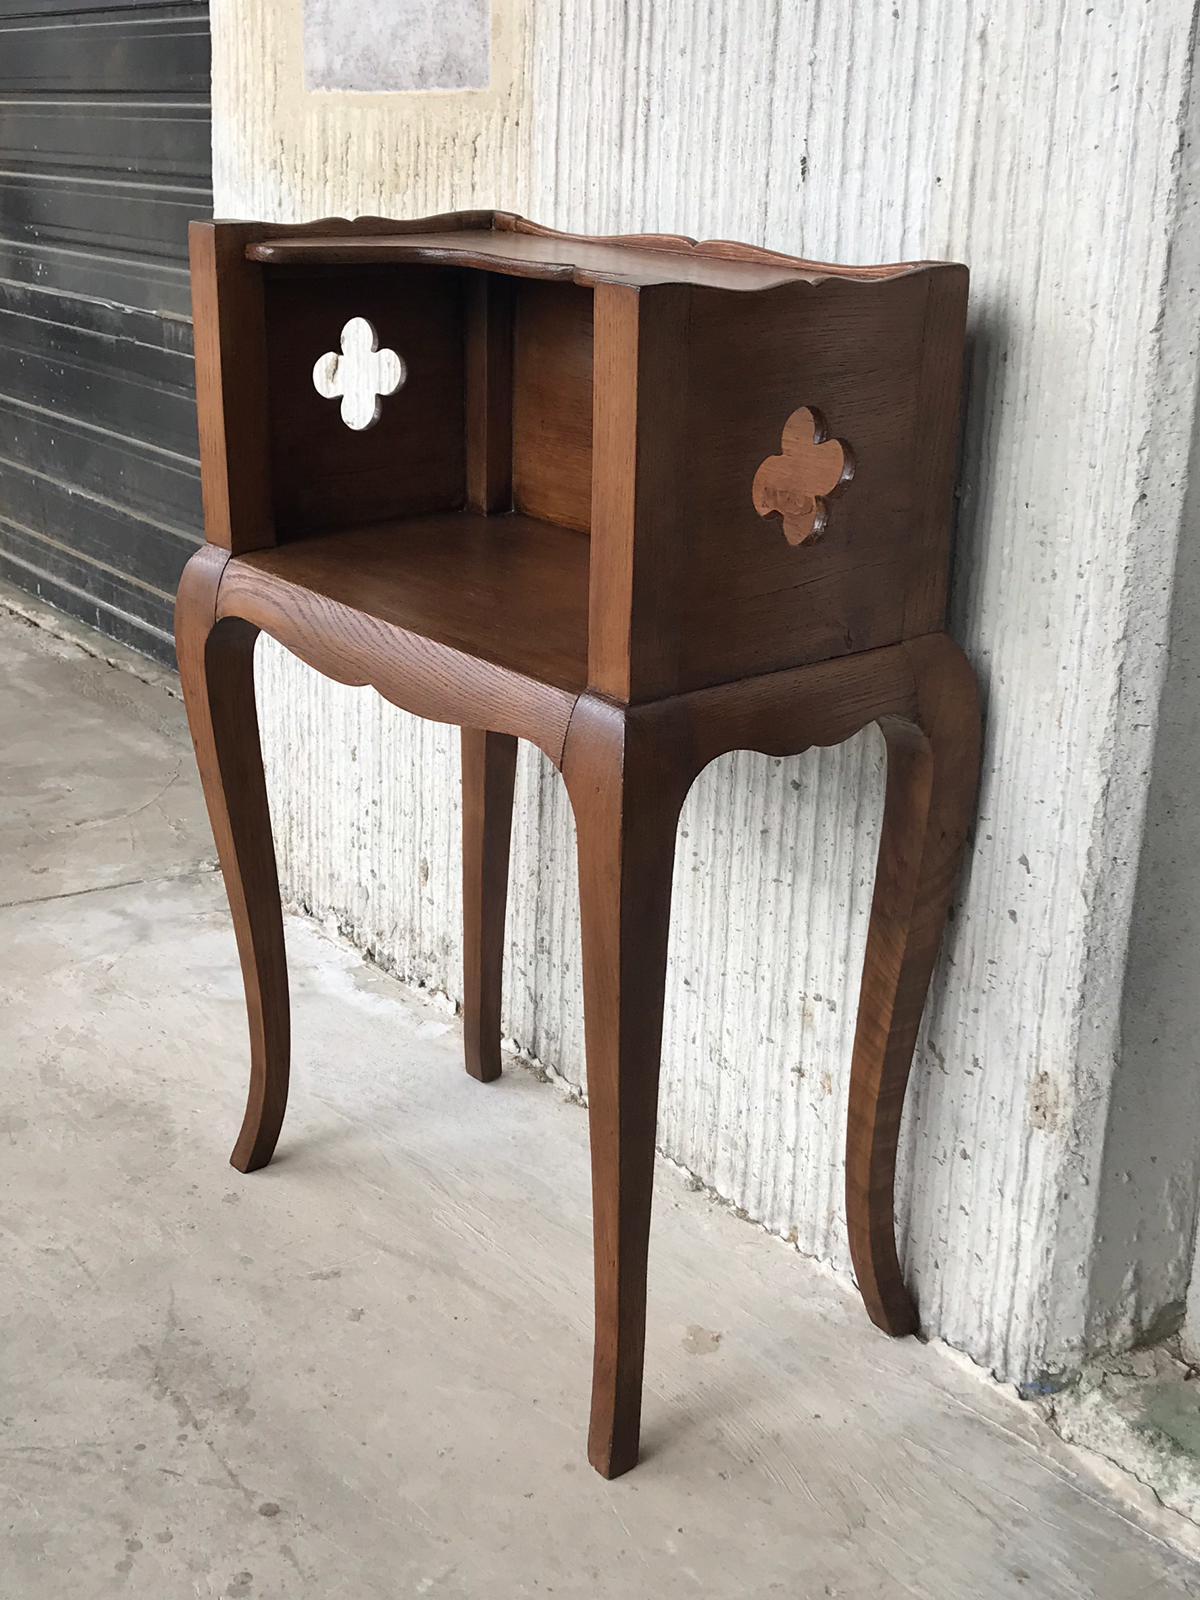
x: 641, y: 502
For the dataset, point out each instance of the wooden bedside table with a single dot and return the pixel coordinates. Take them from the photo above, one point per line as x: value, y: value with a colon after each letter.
x: 642, y: 502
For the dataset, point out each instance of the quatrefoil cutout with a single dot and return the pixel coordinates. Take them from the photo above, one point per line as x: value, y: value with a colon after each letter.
x: 795, y: 486
x: 361, y: 376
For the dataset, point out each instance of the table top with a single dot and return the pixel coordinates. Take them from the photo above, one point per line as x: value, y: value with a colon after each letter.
x: 504, y: 243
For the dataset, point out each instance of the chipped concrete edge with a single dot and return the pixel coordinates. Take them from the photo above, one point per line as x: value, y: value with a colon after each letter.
x: 1135, y: 1417
x: 68, y: 630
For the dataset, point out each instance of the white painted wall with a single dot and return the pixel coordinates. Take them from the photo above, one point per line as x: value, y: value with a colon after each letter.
x: 1042, y: 144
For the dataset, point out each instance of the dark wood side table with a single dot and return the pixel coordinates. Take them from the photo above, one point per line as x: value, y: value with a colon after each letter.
x: 642, y: 502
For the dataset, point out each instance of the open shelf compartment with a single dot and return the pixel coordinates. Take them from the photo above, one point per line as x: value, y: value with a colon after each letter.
x: 626, y: 395
x: 510, y: 590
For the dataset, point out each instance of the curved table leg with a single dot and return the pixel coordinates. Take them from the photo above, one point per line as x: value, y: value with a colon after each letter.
x: 628, y: 771
x: 626, y: 801
x: 489, y: 763
x: 933, y: 771
x: 216, y: 665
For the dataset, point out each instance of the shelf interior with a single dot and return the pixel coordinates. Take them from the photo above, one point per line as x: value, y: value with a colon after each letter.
x: 508, y: 589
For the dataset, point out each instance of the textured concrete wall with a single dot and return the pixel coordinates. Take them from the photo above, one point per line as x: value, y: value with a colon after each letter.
x: 1147, y: 1208
x: 1042, y: 144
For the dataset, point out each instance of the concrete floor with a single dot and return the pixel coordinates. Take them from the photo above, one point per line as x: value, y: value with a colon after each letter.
x: 363, y: 1372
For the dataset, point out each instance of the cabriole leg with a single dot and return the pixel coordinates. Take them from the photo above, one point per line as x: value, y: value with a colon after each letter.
x: 933, y: 768
x: 626, y: 810
x: 488, y: 769
x: 216, y: 666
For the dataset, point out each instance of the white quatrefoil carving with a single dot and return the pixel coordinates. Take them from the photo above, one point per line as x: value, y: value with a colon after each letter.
x: 360, y: 376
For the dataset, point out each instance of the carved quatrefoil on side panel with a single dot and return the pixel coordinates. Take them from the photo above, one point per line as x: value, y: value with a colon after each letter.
x: 360, y: 376
x: 795, y: 486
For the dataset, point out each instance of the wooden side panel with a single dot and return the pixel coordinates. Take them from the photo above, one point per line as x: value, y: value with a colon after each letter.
x: 639, y: 535
x: 552, y: 403
x: 935, y: 463
x: 327, y: 475
x: 231, y: 386
x: 881, y: 364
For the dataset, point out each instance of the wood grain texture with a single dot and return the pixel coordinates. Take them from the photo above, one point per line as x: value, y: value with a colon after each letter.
x: 938, y: 409
x: 640, y: 549
x: 742, y: 603
x: 933, y: 774
x: 783, y: 713
x: 509, y: 590
x: 216, y: 669
x: 720, y: 249
x: 325, y: 475
x: 552, y: 403
x: 628, y: 770
x: 683, y: 381
x: 509, y: 244
x: 489, y: 764
x: 489, y: 393
x: 626, y: 810
x: 232, y: 411
x: 418, y: 674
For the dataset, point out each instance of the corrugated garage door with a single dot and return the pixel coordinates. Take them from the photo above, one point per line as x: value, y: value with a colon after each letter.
x: 104, y: 156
